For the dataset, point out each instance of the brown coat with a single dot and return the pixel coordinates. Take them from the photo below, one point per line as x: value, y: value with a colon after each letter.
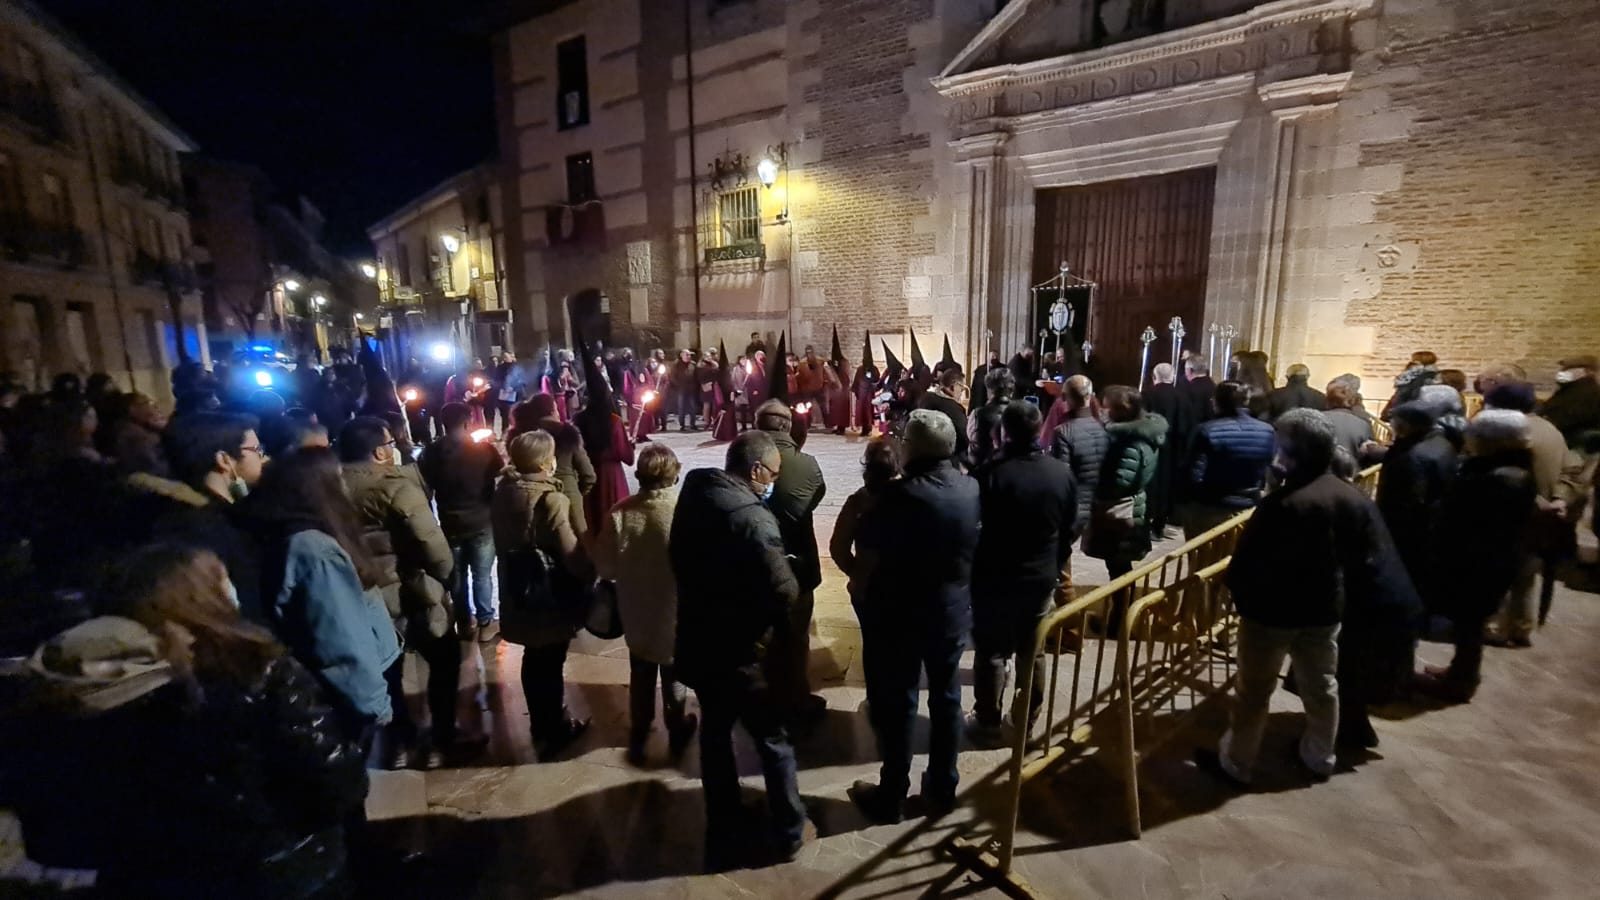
x: 532, y: 511
x: 403, y: 536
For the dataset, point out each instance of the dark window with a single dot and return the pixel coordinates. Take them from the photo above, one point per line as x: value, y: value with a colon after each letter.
x: 483, y: 208
x: 572, y: 84
x: 580, y: 178
x: 403, y: 264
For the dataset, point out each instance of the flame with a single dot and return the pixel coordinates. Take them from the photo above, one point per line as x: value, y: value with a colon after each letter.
x: 749, y: 367
x: 647, y: 398
x: 477, y: 382
x: 483, y: 434
x: 411, y: 395
x: 661, y: 369
x: 802, y: 409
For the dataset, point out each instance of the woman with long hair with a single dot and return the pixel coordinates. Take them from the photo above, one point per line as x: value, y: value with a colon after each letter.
x: 319, y: 581
x: 182, y: 751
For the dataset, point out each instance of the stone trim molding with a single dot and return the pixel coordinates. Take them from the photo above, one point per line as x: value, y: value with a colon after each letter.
x: 1269, y: 33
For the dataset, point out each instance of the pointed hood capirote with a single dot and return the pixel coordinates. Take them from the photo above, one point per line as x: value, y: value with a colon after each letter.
x: 948, y: 359
x: 892, y: 365
x: 919, y: 365
x: 594, y: 422
x: 836, y: 353
x: 724, y: 374
x: 866, y: 351
x: 778, y: 370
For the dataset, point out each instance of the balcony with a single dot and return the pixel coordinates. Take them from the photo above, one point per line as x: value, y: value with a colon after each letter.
x: 33, y: 106
x: 129, y: 172
x: 26, y: 241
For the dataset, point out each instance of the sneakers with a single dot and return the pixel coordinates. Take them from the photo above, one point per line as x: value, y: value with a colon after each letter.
x: 876, y: 804
x: 488, y: 631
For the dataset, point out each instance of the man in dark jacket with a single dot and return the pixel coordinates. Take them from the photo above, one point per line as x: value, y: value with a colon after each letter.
x: 1575, y: 406
x: 1198, y: 389
x: 400, y: 532
x: 1029, y: 505
x: 943, y: 399
x: 1417, y: 471
x: 1165, y: 400
x: 1228, y: 461
x: 980, y: 381
x: 983, y: 437
x: 1297, y: 394
x: 461, y: 472
x: 1297, y: 557
x: 916, y: 606
x: 799, y: 489
x: 735, y: 590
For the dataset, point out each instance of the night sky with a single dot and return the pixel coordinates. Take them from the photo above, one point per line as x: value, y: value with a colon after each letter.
x: 357, y: 104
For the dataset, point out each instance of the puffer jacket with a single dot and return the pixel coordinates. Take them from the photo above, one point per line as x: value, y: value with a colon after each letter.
x: 1483, y: 519
x: 172, y: 789
x: 405, y: 539
x: 530, y: 510
x: 164, y: 509
x: 1082, y: 443
x: 574, y: 469
x: 1132, y: 453
x: 1228, y: 461
x: 735, y: 584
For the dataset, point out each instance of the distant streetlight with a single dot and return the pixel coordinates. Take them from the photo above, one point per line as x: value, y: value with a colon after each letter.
x: 369, y: 270
x: 451, y: 242
x: 290, y: 284
x: 320, y: 300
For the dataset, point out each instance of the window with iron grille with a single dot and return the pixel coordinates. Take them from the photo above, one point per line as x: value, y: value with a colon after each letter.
x: 739, y: 216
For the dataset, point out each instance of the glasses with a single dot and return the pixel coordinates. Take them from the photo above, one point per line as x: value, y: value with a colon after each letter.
x: 254, y: 449
x: 771, y: 472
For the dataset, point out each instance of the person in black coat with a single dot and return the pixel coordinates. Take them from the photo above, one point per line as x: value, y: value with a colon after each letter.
x: 735, y: 589
x: 1574, y: 408
x: 1081, y: 442
x: 1292, y: 569
x: 983, y: 427
x: 462, y: 473
x: 1198, y: 389
x: 794, y: 503
x: 916, y: 608
x: 1167, y: 400
x: 1417, y: 471
x: 980, y: 381
x: 1029, y: 505
x: 1297, y: 394
x: 943, y: 399
x: 180, y: 750
x: 1482, y: 521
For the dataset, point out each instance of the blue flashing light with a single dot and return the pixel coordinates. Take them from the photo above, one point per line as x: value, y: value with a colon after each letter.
x: 264, y: 379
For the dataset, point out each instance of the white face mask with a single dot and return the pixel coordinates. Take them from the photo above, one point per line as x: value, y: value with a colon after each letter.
x: 233, y: 594
x: 394, y: 457
x: 1568, y: 376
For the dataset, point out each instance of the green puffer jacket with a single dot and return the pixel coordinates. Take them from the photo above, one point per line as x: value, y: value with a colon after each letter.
x: 405, y: 539
x: 1132, y: 451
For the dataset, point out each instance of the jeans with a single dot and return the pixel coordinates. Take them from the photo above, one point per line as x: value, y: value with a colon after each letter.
x: 789, y: 656
x: 741, y: 696
x: 442, y: 656
x: 544, y: 686
x: 475, y: 552
x: 688, y: 405
x: 893, y: 665
x: 1314, y: 652
x: 1003, y: 631
x: 642, y: 698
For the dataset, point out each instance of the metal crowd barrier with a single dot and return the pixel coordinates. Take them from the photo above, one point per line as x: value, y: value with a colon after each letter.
x: 1170, y: 652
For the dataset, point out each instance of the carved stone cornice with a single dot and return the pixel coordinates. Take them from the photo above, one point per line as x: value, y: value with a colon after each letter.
x: 1288, y: 36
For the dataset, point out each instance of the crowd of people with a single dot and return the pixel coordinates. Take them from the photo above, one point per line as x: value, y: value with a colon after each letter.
x: 233, y: 589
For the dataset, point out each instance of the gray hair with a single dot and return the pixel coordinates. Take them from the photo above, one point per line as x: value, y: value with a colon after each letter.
x: 1306, y: 438
x: 1163, y: 374
x: 1000, y: 383
x: 1349, y: 380
x: 1196, y: 367
x: 929, y: 435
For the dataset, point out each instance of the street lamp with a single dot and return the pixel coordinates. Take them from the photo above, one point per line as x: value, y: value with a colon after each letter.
x: 320, y: 300
x: 369, y: 270
x: 289, y: 284
x: 767, y: 171
x: 451, y: 242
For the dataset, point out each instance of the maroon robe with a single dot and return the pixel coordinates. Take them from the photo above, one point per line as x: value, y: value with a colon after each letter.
x: 611, y: 482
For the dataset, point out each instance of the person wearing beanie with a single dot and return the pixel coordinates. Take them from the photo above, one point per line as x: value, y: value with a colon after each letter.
x: 916, y: 610
x: 1417, y: 470
x: 1473, y: 544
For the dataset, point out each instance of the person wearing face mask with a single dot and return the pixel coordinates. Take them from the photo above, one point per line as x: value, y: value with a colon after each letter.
x: 1575, y: 406
x: 400, y: 532
x: 736, y: 589
x: 214, y: 460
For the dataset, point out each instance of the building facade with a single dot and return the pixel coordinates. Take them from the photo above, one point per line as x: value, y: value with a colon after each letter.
x: 1336, y: 182
x: 94, y: 238
x: 439, y: 268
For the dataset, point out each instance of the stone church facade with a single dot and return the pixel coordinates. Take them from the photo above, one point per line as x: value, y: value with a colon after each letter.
x: 1340, y: 182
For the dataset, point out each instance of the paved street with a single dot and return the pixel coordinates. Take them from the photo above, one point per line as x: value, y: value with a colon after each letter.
x: 1405, y: 821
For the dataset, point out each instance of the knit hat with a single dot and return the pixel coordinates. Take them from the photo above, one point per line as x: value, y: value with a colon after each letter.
x: 1498, y: 429
x: 1441, y: 400
x: 1518, y: 396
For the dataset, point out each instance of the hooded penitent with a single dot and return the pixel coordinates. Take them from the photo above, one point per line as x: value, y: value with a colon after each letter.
x: 595, y: 420
x: 919, y: 365
x: 778, y: 370
x: 892, y: 365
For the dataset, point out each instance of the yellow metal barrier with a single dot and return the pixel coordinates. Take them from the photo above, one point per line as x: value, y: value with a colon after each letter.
x: 1171, y: 626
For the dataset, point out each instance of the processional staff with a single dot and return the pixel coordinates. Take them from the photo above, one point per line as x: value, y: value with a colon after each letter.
x: 1176, y: 327
x: 1147, y: 338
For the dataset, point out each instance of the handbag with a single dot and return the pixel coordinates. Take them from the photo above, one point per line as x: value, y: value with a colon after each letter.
x: 604, y: 618
x: 1108, y: 526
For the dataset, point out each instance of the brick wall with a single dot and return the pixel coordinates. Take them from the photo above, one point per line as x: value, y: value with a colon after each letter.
x: 873, y: 179
x: 1500, y: 191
